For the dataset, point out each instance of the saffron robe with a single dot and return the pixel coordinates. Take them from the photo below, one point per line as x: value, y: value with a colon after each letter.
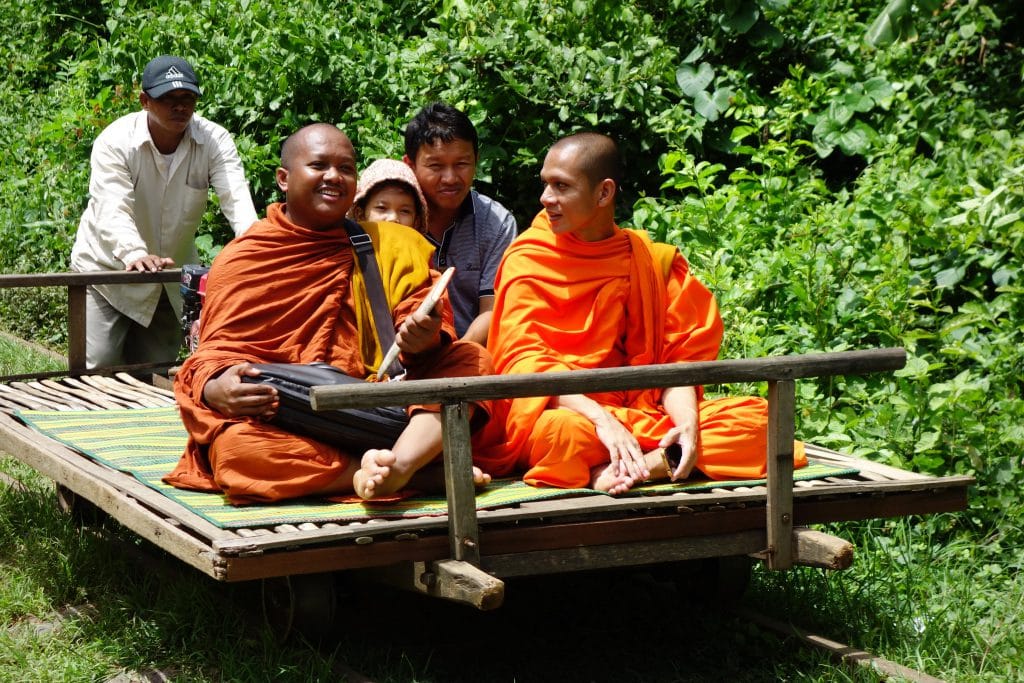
x: 562, y: 303
x: 283, y: 293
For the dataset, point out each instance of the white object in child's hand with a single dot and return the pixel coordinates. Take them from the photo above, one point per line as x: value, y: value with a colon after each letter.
x: 426, y: 307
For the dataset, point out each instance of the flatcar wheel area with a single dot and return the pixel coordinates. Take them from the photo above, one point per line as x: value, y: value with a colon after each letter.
x: 82, y: 511
x: 722, y: 580
x: 302, y: 605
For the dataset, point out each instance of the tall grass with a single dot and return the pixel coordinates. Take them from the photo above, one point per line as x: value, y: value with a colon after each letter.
x: 15, y: 356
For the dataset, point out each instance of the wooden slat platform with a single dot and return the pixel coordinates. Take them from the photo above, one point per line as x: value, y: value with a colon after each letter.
x: 534, y: 537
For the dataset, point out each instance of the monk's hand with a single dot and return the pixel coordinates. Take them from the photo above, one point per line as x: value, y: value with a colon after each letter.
x: 230, y: 396
x: 626, y: 457
x: 686, y: 438
x: 419, y: 332
x: 150, y: 263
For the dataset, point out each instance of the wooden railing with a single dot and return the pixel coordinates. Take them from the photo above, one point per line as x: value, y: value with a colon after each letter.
x: 76, y: 284
x: 454, y: 396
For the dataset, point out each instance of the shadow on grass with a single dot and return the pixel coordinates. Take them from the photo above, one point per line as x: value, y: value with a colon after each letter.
x: 593, y: 626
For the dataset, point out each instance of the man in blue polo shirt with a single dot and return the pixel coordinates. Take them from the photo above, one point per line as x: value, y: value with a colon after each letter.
x: 469, y: 230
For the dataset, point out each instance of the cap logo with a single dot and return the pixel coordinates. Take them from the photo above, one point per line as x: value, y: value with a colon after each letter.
x: 173, y: 74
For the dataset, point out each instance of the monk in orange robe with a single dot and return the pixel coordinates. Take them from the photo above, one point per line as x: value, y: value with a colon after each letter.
x: 577, y: 291
x: 290, y: 291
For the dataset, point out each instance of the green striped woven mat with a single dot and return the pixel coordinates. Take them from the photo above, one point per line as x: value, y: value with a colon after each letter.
x: 147, y: 442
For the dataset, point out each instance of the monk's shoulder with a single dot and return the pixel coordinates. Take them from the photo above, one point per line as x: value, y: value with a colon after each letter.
x: 667, y: 256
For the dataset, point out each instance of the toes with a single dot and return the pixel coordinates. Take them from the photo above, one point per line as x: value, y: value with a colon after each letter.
x: 480, y: 478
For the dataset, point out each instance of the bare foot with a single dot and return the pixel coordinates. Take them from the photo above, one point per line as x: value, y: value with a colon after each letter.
x: 608, y: 480
x: 657, y: 465
x: 431, y: 478
x: 371, y: 479
x: 480, y: 478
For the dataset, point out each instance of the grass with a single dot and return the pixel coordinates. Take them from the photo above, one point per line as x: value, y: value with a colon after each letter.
x: 947, y: 603
x: 17, y: 357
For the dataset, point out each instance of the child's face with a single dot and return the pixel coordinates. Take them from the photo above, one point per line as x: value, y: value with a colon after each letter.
x: 391, y: 204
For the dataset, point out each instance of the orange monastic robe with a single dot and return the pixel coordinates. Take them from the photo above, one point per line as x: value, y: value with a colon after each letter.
x: 282, y: 293
x: 562, y: 303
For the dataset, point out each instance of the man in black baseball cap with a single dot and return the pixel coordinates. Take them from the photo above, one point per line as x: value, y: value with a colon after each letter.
x: 151, y: 171
x: 167, y: 73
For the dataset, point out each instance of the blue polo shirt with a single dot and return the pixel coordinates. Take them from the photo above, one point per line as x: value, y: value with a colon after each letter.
x: 474, y: 244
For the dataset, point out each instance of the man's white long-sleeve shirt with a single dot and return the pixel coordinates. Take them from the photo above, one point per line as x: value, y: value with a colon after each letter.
x: 140, y: 204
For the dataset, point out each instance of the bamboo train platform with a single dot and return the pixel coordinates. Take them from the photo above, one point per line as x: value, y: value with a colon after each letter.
x: 457, y: 547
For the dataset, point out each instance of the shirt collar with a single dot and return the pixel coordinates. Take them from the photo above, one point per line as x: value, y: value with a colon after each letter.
x: 141, y: 136
x: 466, y: 208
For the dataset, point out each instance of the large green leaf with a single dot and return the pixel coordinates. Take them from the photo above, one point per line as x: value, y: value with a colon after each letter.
x: 706, y: 106
x: 896, y: 21
x: 857, y: 139
x: 693, y: 80
x: 878, y: 88
x: 742, y: 16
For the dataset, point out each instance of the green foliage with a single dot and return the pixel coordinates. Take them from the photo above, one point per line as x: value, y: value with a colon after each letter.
x: 858, y: 204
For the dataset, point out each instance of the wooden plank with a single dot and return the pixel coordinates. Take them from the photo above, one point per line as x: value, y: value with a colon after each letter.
x: 447, y: 579
x: 458, y: 479
x: 63, y: 396
x: 159, y: 392
x: 546, y: 510
x: 854, y: 502
x: 288, y: 557
x: 333, y: 558
x: 551, y: 536
x: 863, y: 464
x: 111, y: 277
x: 99, y: 395
x: 876, y: 664
x: 23, y: 400
x: 128, y: 392
x: 781, y: 412
x: 9, y: 405
x: 776, y: 368
x: 89, y: 395
x: 97, y: 383
x: 464, y: 583
x: 625, y: 555
x: 812, y: 548
x: 76, y: 327
x: 20, y: 389
x: 868, y: 507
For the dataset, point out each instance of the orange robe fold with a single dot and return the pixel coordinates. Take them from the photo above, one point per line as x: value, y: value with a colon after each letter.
x: 282, y: 293
x: 562, y: 303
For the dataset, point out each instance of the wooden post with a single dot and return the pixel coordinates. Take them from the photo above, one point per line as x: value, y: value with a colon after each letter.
x: 76, y: 327
x: 463, y: 531
x: 781, y: 428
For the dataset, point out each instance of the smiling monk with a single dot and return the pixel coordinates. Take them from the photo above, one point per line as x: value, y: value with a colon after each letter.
x: 577, y: 291
x: 290, y: 291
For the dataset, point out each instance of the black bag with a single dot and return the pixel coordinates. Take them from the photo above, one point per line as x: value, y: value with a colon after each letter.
x: 354, y: 429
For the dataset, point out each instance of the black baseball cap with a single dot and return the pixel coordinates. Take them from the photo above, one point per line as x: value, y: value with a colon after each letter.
x: 167, y: 73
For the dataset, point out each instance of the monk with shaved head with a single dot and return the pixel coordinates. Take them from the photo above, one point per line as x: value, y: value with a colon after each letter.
x: 577, y: 291
x: 290, y: 291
